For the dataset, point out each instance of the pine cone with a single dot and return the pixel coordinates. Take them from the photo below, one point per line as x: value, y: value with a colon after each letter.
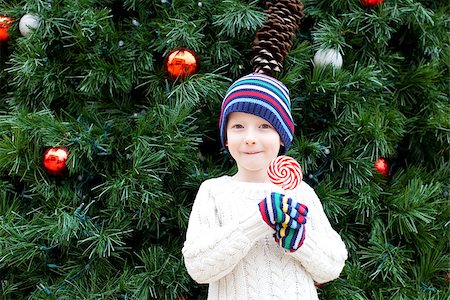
x: 274, y: 39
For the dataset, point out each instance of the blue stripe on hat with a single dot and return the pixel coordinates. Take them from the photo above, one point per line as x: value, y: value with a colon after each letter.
x: 262, y: 84
x: 269, y: 80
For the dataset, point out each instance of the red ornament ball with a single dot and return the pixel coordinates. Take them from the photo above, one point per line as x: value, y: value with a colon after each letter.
x: 180, y: 63
x: 381, y: 166
x: 55, y: 159
x: 371, y: 3
x: 5, y: 23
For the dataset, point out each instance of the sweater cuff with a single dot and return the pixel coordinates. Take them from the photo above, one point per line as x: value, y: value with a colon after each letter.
x: 254, y: 227
x: 313, y: 248
x: 309, y: 246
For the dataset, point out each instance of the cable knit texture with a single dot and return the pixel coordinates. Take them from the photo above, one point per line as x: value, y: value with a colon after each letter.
x: 230, y: 247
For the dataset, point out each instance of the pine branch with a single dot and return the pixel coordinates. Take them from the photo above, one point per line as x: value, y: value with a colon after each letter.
x: 157, y: 279
x: 377, y: 129
x: 181, y: 33
x: 295, y: 67
x: 387, y: 261
x: 412, y: 207
x: 197, y: 90
x: 367, y: 203
x: 329, y: 34
x: 238, y: 19
x: 335, y: 202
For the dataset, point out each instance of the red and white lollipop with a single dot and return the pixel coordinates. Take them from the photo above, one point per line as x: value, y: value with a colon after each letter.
x: 285, y: 172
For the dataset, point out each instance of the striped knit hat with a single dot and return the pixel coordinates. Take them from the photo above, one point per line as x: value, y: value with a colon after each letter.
x: 263, y: 96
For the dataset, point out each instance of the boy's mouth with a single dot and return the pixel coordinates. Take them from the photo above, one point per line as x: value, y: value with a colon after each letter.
x: 252, y: 152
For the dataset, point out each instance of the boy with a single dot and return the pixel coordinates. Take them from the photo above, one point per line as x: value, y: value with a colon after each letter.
x: 228, y: 242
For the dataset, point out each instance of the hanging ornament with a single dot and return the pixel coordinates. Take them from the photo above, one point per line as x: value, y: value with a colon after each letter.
x: 135, y: 23
x: 326, y: 57
x: 5, y: 23
x: 55, y: 159
x: 180, y: 63
x: 370, y: 3
x: 381, y: 166
x: 274, y: 39
x: 28, y: 23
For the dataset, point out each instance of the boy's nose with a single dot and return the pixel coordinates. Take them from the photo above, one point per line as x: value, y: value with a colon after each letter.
x: 250, y: 141
x: 250, y: 138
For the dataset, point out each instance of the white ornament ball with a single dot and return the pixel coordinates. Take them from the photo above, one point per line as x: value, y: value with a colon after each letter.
x: 135, y: 23
x: 328, y: 57
x: 28, y: 23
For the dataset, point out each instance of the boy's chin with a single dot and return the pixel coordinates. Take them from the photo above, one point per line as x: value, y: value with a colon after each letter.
x: 256, y: 167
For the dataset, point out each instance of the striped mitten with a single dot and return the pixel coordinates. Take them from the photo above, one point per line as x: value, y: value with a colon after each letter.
x: 270, y: 209
x: 295, y: 213
x: 288, y: 237
x: 278, y: 208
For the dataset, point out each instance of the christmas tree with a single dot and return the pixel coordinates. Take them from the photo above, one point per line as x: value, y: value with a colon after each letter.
x: 134, y: 133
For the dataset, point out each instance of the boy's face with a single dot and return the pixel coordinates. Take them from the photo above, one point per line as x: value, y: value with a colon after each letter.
x: 253, y: 143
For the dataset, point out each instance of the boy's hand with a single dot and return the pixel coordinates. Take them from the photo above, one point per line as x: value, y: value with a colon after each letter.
x: 294, y: 213
x: 271, y: 209
x: 290, y: 238
x: 278, y: 208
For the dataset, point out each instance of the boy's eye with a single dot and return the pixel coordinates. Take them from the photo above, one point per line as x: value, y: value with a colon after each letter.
x: 237, y: 126
x: 265, y: 126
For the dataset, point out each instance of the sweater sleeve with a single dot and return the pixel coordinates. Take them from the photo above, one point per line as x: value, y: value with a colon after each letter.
x: 211, y: 250
x: 323, y: 253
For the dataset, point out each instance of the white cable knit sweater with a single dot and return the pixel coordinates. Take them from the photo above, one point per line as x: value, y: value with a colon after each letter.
x: 229, y: 246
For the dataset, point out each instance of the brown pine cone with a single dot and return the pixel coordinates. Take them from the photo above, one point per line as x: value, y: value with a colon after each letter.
x: 274, y: 39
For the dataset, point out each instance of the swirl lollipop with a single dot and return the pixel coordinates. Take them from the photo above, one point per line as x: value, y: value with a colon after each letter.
x: 285, y: 172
